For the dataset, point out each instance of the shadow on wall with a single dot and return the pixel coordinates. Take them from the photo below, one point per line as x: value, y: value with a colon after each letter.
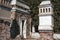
x: 5, y: 22
x: 1, y: 20
x: 14, y: 30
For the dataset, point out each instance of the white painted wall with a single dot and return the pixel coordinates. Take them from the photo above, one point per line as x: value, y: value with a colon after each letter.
x: 45, y: 2
x: 45, y: 20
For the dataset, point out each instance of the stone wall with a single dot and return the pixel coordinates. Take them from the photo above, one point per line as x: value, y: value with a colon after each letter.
x: 46, y: 36
x: 5, y: 32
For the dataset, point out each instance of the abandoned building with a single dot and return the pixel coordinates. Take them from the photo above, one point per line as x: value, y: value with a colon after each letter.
x: 15, y: 21
x: 46, y: 21
x: 17, y: 12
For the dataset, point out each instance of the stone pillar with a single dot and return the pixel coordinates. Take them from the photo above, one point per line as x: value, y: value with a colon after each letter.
x: 46, y: 20
x: 24, y: 29
x: 22, y: 26
x: 33, y: 29
x: 28, y: 31
x: 20, y: 23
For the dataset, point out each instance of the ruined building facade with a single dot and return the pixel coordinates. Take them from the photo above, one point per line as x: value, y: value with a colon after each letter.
x: 14, y: 9
x: 15, y: 20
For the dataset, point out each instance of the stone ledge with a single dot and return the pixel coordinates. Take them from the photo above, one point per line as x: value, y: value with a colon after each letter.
x: 56, y: 36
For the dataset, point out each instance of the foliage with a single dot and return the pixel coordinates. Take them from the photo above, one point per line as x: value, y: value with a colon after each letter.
x: 56, y: 4
x: 34, y: 12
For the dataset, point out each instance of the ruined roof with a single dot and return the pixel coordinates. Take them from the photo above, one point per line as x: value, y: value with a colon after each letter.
x: 45, y: 2
x: 20, y: 3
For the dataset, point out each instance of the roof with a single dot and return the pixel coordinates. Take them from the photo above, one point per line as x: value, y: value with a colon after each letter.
x: 20, y: 10
x: 20, y: 3
x: 45, y: 2
x: 21, y: 6
x: 13, y: 2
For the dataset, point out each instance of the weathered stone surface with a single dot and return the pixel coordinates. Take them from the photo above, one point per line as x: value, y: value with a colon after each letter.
x: 46, y: 36
x: 28, y: 26
x: 2, y: 33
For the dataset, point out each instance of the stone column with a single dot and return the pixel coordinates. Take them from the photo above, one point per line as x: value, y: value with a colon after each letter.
x: 24, y: 29
x: 33, y: 29
x: 46, y: 20
x: 20, y: 23
x: 28, y: 31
